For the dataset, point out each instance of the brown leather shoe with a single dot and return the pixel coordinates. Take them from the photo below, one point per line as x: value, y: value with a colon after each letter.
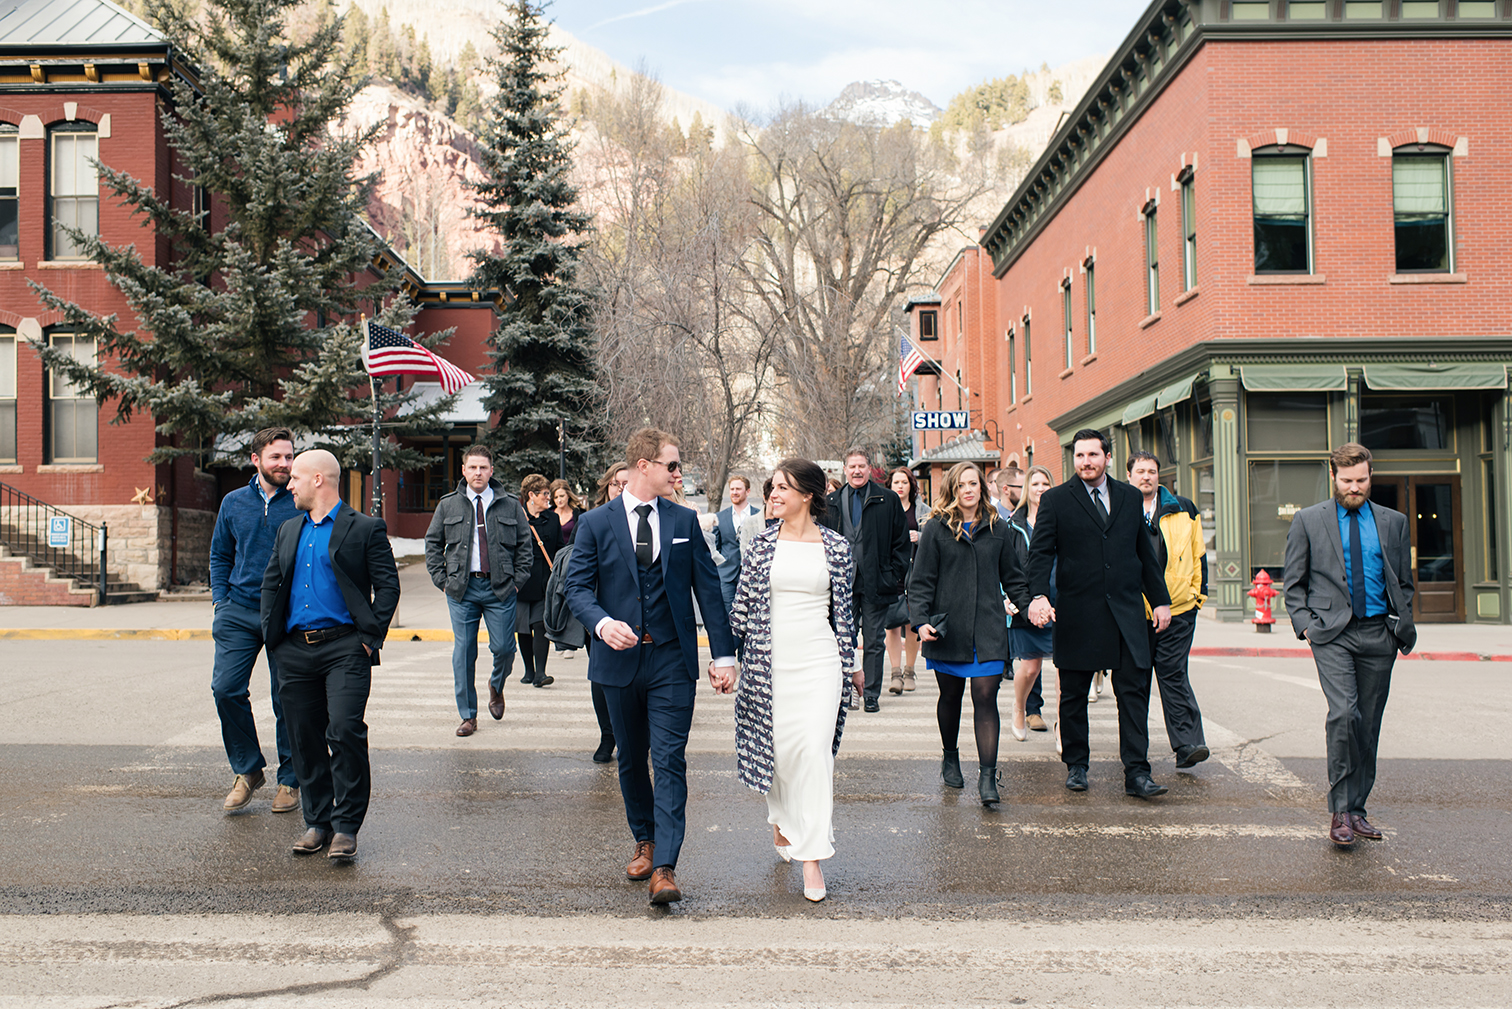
x: 1339, y: 831
x: 313, y: 840
x: 468, y: 727
x: 241, y: 791
x: 664, y: 887
x: 1362, y: 828
x: 640, y: 866
x: 342, y: 846
x: 1036, y: 724
x: 495, y: 703
x: 286, y: 800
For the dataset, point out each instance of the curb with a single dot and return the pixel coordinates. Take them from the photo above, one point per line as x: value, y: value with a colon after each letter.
x: 1260, y: 652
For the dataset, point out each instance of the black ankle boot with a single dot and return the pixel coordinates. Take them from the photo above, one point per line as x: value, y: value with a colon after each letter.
x: 950, y: 769
x: 987, y: 785
x: 605, y: 751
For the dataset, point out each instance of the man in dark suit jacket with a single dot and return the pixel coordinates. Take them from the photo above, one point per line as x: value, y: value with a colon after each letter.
x: 636, y: 565
x: 1094, y: 527
x: 871, y: 517
x: 1349, y: 593
x: 328, y: 595
x: 727, y: 537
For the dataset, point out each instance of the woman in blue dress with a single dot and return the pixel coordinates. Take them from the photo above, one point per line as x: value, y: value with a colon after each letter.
x: 965, y: 567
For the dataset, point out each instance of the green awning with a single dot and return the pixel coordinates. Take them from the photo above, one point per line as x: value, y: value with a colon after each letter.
x: 1175, y: 393
x: 1140, y: 408
x: 1294, y: 377
x: 1436, y: 376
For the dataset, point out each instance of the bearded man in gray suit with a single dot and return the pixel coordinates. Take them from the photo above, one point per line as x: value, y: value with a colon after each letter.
x: 1349, y: 593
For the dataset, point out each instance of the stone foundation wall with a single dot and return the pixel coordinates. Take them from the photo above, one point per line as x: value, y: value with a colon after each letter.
x: 194, y: 530
x: 140, y: 548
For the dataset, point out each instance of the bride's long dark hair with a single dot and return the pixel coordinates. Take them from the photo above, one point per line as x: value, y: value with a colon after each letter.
x: 805, y: 477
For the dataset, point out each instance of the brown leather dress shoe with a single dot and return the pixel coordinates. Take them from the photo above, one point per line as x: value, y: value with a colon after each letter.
x: 342, y: 846
x: 640, y: 866
x: 495, y: 703
x: 664, y: 887
x: 468, y: 727
x: 286, y: 800
x: 313, y: 840
x: 1036, y: 724
x: 242, y: 788
x: 1339, y: 831
x: 1362, y: 828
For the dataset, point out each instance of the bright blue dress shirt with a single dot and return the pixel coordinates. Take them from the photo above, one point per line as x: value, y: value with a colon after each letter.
x: 1375, y: 561
x: 315, y: 599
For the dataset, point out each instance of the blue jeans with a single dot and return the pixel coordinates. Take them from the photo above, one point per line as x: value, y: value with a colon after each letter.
x: 478, y: 600
x: 237, y: 631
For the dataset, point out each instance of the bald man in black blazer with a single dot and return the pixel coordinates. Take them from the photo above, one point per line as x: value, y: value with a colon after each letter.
x: 1092, y: 526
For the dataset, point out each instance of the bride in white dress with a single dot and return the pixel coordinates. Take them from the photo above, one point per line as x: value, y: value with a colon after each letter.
x: 793, y: 607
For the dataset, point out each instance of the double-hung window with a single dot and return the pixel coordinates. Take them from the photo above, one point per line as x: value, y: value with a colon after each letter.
x: 10, y: 173
x: 1091, y: 269
x: 74, y: 191
x: 1012, y: 367
x: 73, y: 414
x: 1421, y: 204
x: 1028, y: 361
x: 1189, y: 230
x: 7, y: 397
x: 1283, y: 218
x: 1066, y: 315
x: 1152, y: 261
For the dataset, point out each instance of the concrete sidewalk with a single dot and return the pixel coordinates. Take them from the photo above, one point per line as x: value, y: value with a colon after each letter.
x: 423, y: 616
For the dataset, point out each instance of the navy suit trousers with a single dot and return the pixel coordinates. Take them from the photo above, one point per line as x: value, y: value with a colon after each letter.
x: 652, y: 715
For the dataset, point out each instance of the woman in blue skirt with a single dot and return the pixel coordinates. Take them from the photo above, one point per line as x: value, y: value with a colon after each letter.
x: 1030, y: 645
x: 965, y: 567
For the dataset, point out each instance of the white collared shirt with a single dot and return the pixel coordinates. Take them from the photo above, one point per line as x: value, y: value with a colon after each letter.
x: 631, y: 503
x: 479, y: 543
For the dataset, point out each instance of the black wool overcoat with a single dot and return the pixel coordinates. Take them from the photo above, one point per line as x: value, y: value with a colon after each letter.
x: 966, y: 579
x: 1103, y: 578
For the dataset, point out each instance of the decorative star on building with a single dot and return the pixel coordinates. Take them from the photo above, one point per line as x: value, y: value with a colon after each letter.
x: 143, y: 496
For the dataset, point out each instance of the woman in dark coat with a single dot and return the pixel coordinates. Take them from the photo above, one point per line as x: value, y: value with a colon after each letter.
x: 530, y: 605
x: 1030, y: 645
x: 965, y: 567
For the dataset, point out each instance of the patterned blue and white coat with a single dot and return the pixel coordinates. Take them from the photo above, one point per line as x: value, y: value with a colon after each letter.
x: 751, y: 617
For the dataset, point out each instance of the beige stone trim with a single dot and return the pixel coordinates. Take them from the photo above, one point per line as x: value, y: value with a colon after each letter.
x: 1187, y: 295
x: 1428, y: 278
x: 1149, y: 320
x: 1286, y: 279
x: 68, y: 264
x: 71, y: 467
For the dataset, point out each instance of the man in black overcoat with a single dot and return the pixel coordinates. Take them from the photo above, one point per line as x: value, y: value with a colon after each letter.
x: 871, y: 517
x: 1093, y: 526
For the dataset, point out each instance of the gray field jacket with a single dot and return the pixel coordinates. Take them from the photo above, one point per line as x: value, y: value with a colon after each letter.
x: 449, y: 542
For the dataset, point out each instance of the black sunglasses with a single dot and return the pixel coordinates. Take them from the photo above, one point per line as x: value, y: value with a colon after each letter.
x: 672, y: 467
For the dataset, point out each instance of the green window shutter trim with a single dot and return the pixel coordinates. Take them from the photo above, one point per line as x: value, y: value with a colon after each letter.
x: 1294, y: 377
x: 1436, y: 376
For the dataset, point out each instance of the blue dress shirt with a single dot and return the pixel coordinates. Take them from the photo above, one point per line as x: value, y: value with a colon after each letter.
x: 315, y: 599
x: 1375, y: 562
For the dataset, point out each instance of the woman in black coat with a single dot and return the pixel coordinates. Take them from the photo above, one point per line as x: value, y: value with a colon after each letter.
x: 530, y: 602
x: 965, y: 567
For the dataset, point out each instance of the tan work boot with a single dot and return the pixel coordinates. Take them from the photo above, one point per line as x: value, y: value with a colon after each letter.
x: 287, y: 799
x: 909, y: 685
x: 241, y: 791
x: 896, y: 686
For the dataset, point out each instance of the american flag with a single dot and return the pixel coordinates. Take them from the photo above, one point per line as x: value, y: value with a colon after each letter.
x: 909, y: 360
x: 389, y: 352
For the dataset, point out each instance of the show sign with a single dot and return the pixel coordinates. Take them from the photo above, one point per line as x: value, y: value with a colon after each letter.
x: 941, y: 420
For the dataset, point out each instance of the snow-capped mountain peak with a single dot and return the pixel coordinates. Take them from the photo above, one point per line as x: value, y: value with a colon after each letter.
x: 882, y: 103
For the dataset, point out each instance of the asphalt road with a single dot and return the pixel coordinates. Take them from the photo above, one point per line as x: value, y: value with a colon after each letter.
x: 490, y: 869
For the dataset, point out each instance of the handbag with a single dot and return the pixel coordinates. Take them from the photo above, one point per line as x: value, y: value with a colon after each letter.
x: 897, y: 613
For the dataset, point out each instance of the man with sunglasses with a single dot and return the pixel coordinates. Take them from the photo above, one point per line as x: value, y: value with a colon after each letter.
x: 636, y: 565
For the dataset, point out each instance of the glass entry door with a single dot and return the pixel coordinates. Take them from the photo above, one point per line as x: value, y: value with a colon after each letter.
x: 1432, y: 507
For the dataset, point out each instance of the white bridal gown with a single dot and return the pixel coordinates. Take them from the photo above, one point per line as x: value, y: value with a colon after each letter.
x: 805, y: 700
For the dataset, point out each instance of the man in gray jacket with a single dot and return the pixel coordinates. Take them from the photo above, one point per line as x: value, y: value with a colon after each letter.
x: 1349, y: 593
x: 479, y: 582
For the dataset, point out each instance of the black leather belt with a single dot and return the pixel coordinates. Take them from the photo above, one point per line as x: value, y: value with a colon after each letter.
x: 479, y: 574
x: 315, y: 637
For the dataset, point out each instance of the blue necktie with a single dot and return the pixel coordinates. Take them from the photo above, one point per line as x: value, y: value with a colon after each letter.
x: 1356, y: 567
x: 855, y: 497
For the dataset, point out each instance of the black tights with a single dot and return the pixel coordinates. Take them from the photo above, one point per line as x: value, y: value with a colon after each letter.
x: 533, y: 649
x: 988, y: 724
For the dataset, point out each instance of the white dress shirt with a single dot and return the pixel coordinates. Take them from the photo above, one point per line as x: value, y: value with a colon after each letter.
x: 479, y: 545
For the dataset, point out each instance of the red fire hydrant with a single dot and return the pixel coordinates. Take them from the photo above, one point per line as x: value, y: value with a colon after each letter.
x: 1262, y: 594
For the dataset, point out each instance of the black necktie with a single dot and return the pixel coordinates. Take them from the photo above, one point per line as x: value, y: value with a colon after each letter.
x: 1356, y: 567
x: 482, y: 538
x: 1102, y: 509
x: 643, y: 536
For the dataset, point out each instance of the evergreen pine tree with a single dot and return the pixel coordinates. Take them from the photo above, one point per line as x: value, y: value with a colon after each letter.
x: 544, y: 353
x: 255, y: 322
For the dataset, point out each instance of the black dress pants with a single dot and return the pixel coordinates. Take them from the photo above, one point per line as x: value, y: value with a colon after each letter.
x: 1131, y: 686
x: 325, y: 690
x: 1170, y: 649
x: 869, y: 619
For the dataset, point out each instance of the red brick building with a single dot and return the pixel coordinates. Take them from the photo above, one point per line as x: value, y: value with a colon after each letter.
x: 82, y: 80
x: 1269, y: 228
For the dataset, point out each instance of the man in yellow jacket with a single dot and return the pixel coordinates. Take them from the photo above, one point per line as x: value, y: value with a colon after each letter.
x: 1176, y: 533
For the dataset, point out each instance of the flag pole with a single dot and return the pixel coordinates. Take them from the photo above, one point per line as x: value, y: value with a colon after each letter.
x: 376, y: 509
x: 939, y: 370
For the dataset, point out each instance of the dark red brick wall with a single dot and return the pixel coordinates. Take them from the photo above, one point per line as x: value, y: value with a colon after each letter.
x: 21, y: 586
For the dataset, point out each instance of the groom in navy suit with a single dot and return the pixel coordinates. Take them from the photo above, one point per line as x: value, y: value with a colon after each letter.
x: 636, y: 564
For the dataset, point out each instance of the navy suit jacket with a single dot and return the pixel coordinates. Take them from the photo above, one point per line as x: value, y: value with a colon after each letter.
x: 603, y: 581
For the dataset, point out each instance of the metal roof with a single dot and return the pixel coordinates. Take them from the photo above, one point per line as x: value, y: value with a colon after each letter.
x: 969, y: 447
x: 72, y: 23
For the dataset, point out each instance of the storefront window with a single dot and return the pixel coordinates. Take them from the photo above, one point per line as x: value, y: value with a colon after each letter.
x: 1286, y: 422
x: 1278, y: 490
x: 1406, y: 422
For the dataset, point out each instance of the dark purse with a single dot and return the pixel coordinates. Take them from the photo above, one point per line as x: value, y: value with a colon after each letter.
x: 897, y: 613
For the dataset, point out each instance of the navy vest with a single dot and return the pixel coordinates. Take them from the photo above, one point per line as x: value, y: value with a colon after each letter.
x: 656, y: 610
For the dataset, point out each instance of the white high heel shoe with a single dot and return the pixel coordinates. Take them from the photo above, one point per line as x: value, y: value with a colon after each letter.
x: 814, y: 893
x: 1018, y: 733
x: 783, y: 853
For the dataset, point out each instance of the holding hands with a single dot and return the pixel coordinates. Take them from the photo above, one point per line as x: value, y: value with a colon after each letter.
x: 1041, y: 613
x: 722, y: 678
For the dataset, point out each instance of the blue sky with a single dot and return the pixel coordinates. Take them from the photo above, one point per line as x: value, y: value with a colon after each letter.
x: 759, y: 51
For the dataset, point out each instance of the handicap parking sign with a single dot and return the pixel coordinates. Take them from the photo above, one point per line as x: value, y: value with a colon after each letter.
x: 59, y: 530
